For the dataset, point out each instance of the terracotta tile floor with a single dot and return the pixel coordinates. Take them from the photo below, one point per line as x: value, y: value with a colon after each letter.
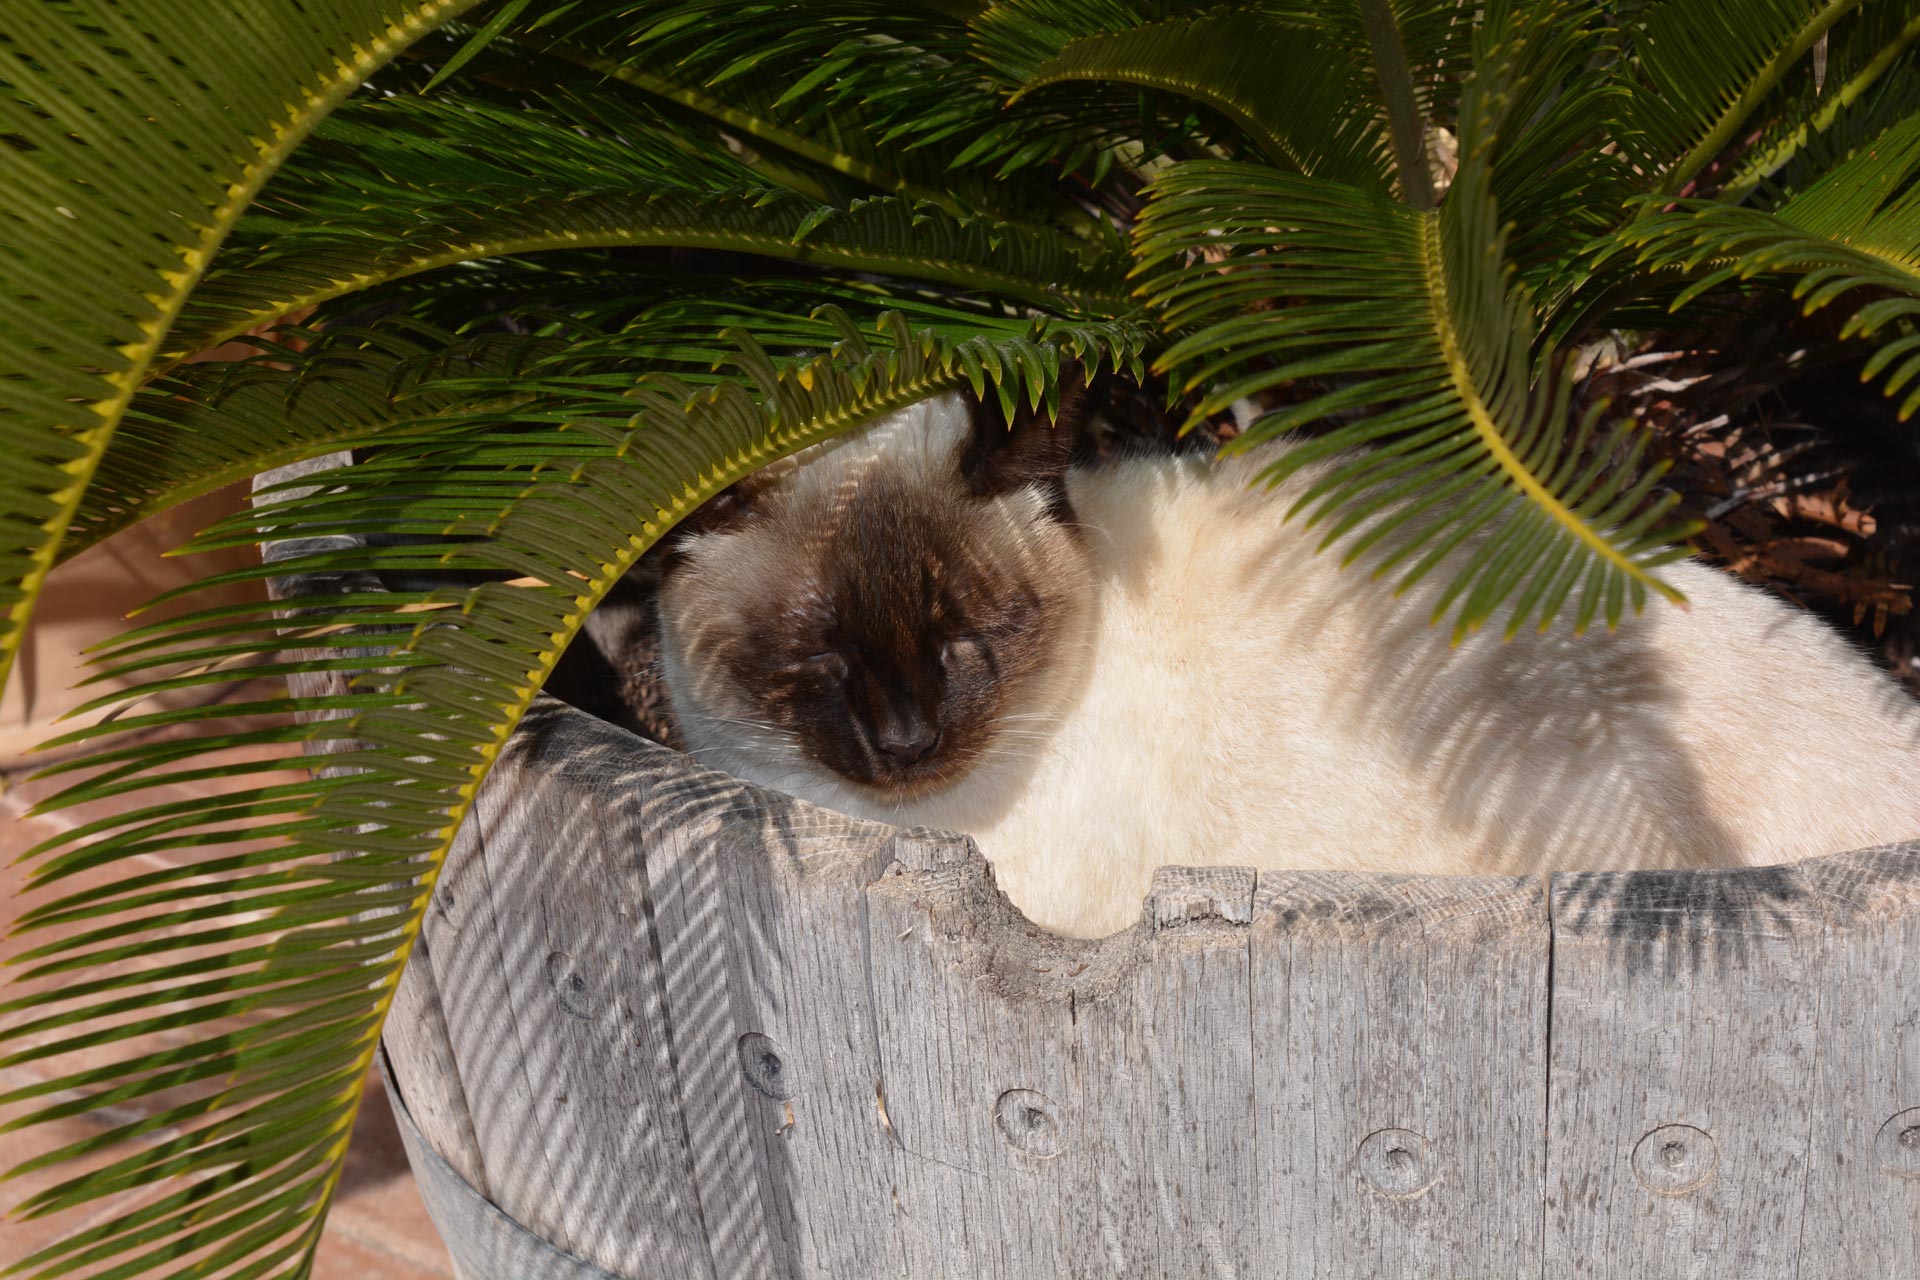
x: 378, y: 1229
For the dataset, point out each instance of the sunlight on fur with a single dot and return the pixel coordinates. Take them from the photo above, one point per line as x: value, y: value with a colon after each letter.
x: 1100, y: 671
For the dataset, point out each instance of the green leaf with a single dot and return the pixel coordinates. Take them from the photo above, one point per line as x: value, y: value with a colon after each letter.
x: 192, y: 106
x: 1869, y: 79
x: 1705, y: 66
x: 1314, y: 116
x: 1475, y: 463
x: 402, y: 187
x: 207, y: 426
x: 887, y: 95
x: 480, y: 39
x: 1854, y: 234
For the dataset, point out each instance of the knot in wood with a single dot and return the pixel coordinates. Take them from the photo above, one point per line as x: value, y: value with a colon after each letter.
x: 569, y: 985
x: 1897, y: 1145
x: 1398, y: 1163
x: 1030, y: 1123
x: 1675, y: 1159
x: 449, y: 906
x: 765, y: 1066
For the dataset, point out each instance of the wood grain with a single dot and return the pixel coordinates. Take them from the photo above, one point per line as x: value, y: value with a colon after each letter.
x: 874, y: 1066
x: 982, y: 1086
x: 1863, y: 1151
x: 547, y: 977
x: 1400, y: 1025
x: 425, y: 1069
x: 756, y: 905
x: 1728, y: 1047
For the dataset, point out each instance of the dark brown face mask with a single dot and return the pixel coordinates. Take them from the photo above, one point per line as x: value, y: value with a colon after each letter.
x: 925, y: 607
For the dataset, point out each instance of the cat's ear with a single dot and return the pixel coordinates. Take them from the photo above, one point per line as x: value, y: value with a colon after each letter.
x: 727, y: 509
x: 1032, y: 451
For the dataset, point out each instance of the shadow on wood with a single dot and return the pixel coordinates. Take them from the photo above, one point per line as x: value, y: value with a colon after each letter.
x: 680, y: 1026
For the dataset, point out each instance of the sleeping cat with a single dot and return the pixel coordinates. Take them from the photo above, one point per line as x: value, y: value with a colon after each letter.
x: 1100, y: 671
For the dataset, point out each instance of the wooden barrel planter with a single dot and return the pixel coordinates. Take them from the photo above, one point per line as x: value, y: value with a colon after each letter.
x: 661, y: 1023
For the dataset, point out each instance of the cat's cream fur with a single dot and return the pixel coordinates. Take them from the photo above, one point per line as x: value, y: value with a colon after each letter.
x: 1223, y: 696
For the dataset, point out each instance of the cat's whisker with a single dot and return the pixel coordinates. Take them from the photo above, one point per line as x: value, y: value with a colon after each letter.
x: 743, y: 723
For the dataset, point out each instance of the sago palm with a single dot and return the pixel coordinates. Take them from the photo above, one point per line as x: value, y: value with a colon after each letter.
x: 564, y: 270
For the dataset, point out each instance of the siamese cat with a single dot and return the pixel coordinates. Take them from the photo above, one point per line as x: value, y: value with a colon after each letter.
x: 1098, y: 671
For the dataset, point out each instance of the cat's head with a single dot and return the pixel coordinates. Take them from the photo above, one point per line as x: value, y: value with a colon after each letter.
x: 885, y: 606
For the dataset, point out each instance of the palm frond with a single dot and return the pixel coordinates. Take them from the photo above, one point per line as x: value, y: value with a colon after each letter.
x: 401, y: 187
x: 211, y: 425
x: 1868, y: 78
x: 93, y: 280
x: 1854, y: 234
x: 890, y: 95
x: 1556, y: 181
x: 1704, y: 67
x: 1321, y: 87
x: 1285, y: 87
x: 1424, y: 344
x: 309, y: 893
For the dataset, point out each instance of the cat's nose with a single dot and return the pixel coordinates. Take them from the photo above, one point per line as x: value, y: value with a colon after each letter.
x: 908, y: 743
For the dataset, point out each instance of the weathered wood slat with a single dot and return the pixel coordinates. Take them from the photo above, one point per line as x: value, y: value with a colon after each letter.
x: 982, y: 1087
x: 545, y: 968
x: 1863, y: 1159
x: 1170, y: 1151
x: 1064, y: 1107
x: 688, y: 914
x: 1727, y: 1048
x: 1399, y: 1024
x: 426, y: 1069
x: 758, y: 914
x: 485, y: 1243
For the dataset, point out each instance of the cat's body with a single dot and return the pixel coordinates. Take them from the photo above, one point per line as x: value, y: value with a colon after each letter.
x: 1206, y: 691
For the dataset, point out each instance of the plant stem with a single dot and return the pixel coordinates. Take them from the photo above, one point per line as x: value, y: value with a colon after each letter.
x: 1735, y: 116
x: 1759, y: 170
x: 1404, y: 120
x: 754, y: 126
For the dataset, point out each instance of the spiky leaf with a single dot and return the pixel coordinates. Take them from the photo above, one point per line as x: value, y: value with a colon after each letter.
x: 194, y: 107
x: 1475, y: 465
x: 303, y: 898
x: 1854, y: 235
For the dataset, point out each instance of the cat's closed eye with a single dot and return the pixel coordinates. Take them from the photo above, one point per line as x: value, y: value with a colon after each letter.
x: 964, y: 651
x: 828, y: 665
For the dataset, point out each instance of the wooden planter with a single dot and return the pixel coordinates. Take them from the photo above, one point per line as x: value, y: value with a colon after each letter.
x: 661, y: 1023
